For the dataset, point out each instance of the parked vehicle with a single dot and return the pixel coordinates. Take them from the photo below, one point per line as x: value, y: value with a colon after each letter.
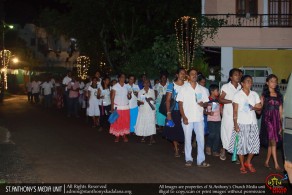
x: 259, y: 73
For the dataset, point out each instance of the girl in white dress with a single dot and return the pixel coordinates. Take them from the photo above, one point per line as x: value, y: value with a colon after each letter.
x: 93, y: 103
x: 145, y: 125
x: 228, y: 91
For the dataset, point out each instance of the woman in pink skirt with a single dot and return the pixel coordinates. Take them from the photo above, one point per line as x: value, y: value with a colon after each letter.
x: 120, y: 101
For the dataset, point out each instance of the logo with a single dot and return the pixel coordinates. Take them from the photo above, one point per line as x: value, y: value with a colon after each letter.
x: 274, y: 183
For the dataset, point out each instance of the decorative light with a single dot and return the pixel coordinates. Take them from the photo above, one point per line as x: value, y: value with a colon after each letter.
x: 83, y: 63
x: 185, y: 37
x: 5, y: 57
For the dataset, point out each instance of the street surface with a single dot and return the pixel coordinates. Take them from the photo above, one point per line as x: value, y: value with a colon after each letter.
x: 47, y: 147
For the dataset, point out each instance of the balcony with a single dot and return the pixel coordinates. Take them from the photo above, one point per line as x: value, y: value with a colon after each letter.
x: 247, y: 20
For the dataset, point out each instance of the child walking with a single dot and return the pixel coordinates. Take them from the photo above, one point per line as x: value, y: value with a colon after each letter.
x: 93, y: 103
x: 214, y: 111
x: 271, y: 127
x: 145, y: 125
x: 103, y: 94
x: 245, y: 103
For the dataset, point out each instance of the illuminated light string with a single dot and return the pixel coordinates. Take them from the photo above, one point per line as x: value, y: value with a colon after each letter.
x: 185, y: 28
x: 83, y: 63
x: 5, y: 56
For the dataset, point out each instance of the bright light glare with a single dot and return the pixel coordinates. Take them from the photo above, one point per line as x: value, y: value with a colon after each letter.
x: 11, y: 26
x: 15, y: 60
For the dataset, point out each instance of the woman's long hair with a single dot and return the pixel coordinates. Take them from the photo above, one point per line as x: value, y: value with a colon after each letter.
x: 266, y: 91
x: 103, y: 81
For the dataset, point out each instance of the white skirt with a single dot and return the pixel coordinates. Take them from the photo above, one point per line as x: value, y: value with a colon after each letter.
x: 145, y: 125
x: 93, y: 109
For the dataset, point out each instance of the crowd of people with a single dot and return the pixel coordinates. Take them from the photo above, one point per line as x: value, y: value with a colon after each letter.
x: 212, y: 120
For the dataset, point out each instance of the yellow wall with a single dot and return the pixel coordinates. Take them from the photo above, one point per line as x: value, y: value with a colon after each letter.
x: 279, y: 60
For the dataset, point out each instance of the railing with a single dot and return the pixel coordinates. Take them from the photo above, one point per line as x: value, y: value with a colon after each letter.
x: 258, y: 20
x: 258, y: 87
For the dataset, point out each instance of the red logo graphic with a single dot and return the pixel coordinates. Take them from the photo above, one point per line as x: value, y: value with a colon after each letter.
x: 274, y: 183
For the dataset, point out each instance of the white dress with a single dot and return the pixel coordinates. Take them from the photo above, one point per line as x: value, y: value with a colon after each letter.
x: 145, y: 125
x: 227, y: 125
x: 93, y: 109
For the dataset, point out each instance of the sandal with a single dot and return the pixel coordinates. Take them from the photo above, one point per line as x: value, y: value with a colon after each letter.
x: 189, y: 163
x: 267, y: 166
x: 143, y: 140
x: 243, y: 170
x: 176, y: 154
x: 204, y: 165
x: 250, y: 167
x: 208, y: 151
x: 117, y: 139
x: 279, y: 169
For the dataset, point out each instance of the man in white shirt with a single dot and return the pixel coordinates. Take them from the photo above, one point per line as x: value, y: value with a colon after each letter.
x: 47, y: 88
x: 67, y: 79
x: 192, y: 100
x: 35, y: 90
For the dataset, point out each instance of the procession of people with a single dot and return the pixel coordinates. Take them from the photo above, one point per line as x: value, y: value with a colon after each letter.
x: 213, y: 121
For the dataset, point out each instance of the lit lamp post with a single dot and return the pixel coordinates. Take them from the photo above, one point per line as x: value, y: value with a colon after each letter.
x: 5, y: 57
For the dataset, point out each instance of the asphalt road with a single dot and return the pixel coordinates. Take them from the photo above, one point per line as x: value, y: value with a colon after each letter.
x: 48, y: 147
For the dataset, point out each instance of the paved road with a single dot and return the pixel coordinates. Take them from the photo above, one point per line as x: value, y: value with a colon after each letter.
x: 50, y: 148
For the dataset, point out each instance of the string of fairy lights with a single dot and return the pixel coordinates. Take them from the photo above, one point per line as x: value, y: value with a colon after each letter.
x: 83, y: 63
x: 5, y: 56
x: 185, y: 28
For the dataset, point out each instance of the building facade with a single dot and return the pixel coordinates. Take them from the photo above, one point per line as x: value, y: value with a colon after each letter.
x: 255, y: 33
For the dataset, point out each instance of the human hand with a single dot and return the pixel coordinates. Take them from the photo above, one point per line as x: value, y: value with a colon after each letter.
x: 185, y: 120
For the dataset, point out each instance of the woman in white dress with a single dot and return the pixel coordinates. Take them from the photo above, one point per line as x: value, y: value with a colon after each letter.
x: 93, y: 103
x: 228, y: 91
x: 145, y: 125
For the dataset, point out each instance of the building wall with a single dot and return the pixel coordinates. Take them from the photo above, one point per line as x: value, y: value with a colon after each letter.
x: 279, y: 60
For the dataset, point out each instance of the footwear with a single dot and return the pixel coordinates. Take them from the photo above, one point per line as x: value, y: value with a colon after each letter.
x: 208, y: 151
x: 204, y: 165
x: 216, y: 154
x: 279, y: 169
x: 176, y: 154
x: 126, y: 139
x: 243, y: 170
x: 117, y: 139
x: 250, y: 167
x: 143, y: 140
x: 189, y: 163
x: 267, y: 165
x: 237, y: 162
x: 222, y: 155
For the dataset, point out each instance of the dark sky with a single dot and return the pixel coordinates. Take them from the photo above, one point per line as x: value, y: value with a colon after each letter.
x: 24, y: 11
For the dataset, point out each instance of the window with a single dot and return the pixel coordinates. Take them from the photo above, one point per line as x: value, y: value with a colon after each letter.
x: 260, y: 73
x: 244, y: 7
x: 279, y: 10
x: 249, y: 72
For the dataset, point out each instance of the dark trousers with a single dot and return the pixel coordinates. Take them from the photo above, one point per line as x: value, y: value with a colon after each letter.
x: 48, y: 100
x: 214, y: 137
x: 104, y: 114
x: 73, y: 106
x: 36, y: 97
x: 29, y: 96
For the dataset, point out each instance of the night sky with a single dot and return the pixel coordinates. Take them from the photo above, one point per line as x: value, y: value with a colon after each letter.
x: 25, y: 11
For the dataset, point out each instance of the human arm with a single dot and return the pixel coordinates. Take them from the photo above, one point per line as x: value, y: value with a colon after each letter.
x: 235, y: 115
x: 181, y: 110
x: 113, y: 94
x: 222, y: 99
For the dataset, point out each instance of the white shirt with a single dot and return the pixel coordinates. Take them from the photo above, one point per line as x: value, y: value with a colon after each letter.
x: 81, y: 87
x: 161, y: 90
x: 230, y: 91
x: 121, y: 96
x: 65, y: 81
x: 142, y: 95
x: 133, y: 100
x: 190, y: 98
x: 35, y: 86
x: 106, y: 96
x: 47, y: 86
x: 245, y: 115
